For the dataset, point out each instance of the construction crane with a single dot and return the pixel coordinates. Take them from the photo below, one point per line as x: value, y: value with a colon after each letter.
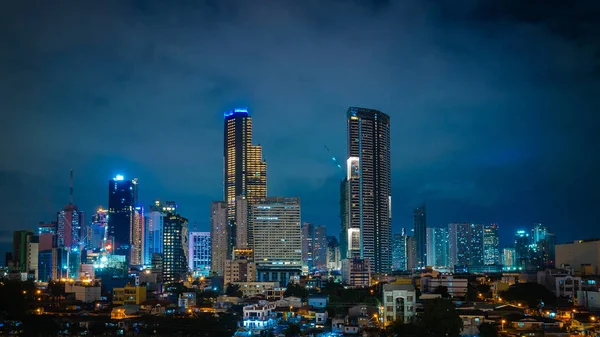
x: 333, y: 159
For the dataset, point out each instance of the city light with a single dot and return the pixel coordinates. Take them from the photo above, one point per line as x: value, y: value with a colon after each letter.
x: 119, y: 177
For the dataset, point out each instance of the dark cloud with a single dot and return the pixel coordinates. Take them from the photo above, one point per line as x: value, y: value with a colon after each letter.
x: 493, y: 104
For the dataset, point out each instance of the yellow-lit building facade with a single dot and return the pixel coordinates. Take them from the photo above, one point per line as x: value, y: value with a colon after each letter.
x: 129, y: 295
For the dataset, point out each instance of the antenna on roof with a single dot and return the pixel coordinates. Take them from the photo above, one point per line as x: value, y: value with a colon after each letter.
x: 71, y: 189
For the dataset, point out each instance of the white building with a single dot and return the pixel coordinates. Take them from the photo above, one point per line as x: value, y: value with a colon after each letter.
x: 199, y: 253
x: 398, y: 303
x: 457, y: 287
x: 259, y: 316
x: 85, y: 293
x: 561, y: 282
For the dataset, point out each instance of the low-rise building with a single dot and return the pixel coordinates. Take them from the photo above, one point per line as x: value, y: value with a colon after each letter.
x: 398, y: 303
x: 129, y: 295
x: 251, y: 289
x: 457, y: 287
x: 318, y: 300
x: 561, y: 282
x: 84, y: 292
x: 259, y: 317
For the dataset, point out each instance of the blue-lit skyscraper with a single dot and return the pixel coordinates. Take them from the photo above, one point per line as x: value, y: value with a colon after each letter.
x: 399, y: 252
x: 437, y: 247
x: 175, y: 248
x: 491, y: 248
x: 199, y: 253
x: 420, y: 233
x: 465, y: 245
x: 122, y: 199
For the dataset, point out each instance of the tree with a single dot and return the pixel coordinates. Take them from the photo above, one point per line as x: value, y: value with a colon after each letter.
x: 442, y: 291
x: 488, y: 330
x: 296, y: 290
x: 398, y: 328
x: 440, y: 318
x: 530, y: 293
x: 233, y: 290
x: 292, y: 330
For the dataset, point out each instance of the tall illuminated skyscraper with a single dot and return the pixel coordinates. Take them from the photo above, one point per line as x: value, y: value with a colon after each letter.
x: 491, y: 249
x: 244, y: 171
x: 175, y: 243
x: 367, y: 228
x: 465, y: 242
x: 122, y: 199
x: 437, y: 247
x: 219, y: 234
x: 138, y: 237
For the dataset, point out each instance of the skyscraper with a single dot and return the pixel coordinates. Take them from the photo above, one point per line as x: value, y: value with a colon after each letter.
x: 437, y: 247
x: 122, y: 199
x: 491, y: 249
x: 68, y: 226
x: 219, y: 234
x: 138, y: 237
x: 320, y: 248
x: 420, y: 232
x: 308, y: 237
x: 366, y: 229
x: 244, y: 170
x: 278, y: 239
x: 523, y: 252
x: 199, y: 253
x: 175, y: 243
x: 334, y: 261
x: 99, y: 223
x: 399, y: 252
x: 465, y: 245
x: 154, y: 227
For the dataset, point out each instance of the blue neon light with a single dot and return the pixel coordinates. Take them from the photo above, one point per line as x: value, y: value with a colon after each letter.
x: 236, y: 111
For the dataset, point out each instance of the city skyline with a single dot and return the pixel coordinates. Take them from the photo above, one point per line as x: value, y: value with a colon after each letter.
x: 478, y: 144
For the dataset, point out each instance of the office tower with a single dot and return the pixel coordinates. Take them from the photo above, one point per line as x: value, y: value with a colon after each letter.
x: 154, y: 227
x: 45, y: 265
x: 491, y: 251
x: 157, y: 266
x: 399, y: 252
x: 277, y: 235
x: 122, y: 198
x: 68, y: 226
x: 523, y: 251
x: 60, y: 263
x: 32, y: 262
x: 509, y: 259
x: 465, y: 245
x: 368, y: 191
x: 411, y: 253
x: 47, y: 235
x: 542, y: 246
x: 241, y: 223
x: 420, y: 233
x: 219, y: 234
x: 356, y: 272
x: 334, y: 261
x: 175, y: 243
x: 548, y: 252
x: 199, y: 253
x: 437, y: 247
x: 99, y: 223
x: 320, y: 248
x: 244, y: 170
x: 308, y: 230
x: 20, y: 249
x: 538, y: 232
x: 345, y: 245
x: 137, y: 237
x: 241, y: 268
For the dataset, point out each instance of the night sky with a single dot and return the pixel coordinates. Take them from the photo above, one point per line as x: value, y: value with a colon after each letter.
x: 495, y: 106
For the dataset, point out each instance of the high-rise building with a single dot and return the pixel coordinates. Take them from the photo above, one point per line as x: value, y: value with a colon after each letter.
x: 32, y: 258
x: 199, y: 253
x: 334, y: 261
x: 509, y: 259
x: 47, y: 235
x: 465, y: 241
x: 523, y: 252
x: 45, y: 265
x: 154, y: 219
x: 245, y: 171
x: 345, y: 244
x: 367, y: 227
x: 437, y: 247
x: 137, y: 255
x: 20, y: 249
x: 122, y: 199
x: 277, y: 239
x: 491, y: 250
x: 99, y: 227
x: 241, y: 223
x: 308, y: 237
x: 219, y: 234
x: 68, y: 226
x: 411, y: 253
x: 320, y: 248
x: 399, y: 252
x: 241, y: 268
x: 420, y: 233
x: 175, y: 243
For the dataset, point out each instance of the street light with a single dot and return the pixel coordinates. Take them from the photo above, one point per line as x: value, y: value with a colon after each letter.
x: 503, y: 321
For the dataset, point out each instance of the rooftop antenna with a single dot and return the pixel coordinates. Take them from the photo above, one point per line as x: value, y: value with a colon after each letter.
x: 71, y: 189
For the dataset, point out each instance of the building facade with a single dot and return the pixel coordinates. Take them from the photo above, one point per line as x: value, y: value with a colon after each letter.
x: 399, y: 303
x: 200, y: 253
x: 175, y: 249
x: 437, y: 247
x: 491, y: 249
x: 366, y: 227
x: 465, y: 245
x: 399, y: 252
x: 277, y: 238
x: 219, y: 234
x: 420, y: 234
x: 122, y: 199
